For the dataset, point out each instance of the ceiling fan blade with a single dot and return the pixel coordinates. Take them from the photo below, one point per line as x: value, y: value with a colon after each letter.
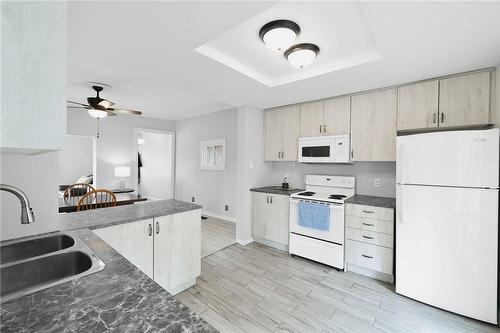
x: 111, y: 113
x: 125, y: 111
x: 78, y: 103
x: 77, y: 107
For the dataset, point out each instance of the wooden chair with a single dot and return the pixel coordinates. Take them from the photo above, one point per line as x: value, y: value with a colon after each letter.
x: 96, y: 199
x: 74, y: 192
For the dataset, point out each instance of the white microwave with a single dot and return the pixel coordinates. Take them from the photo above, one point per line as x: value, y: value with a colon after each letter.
x: 324, y: 149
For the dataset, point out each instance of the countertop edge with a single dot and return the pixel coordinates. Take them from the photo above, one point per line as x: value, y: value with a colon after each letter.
x: 371, y: 200
x: 271, y: 190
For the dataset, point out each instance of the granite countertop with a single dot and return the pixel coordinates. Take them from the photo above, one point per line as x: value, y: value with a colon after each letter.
x: 105, y: 217
x: 276, y: 190
x: 120, y: 297
x: 370, y: 200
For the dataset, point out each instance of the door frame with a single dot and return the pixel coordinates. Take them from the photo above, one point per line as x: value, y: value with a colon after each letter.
x: 137, y: 130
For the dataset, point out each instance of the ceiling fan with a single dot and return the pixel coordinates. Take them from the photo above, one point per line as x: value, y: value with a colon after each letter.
x: 98, y: 107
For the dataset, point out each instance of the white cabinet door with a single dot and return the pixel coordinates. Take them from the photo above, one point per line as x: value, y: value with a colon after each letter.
x: 311, y: 119
x: 464, y: 100
x: 278, y: 218
x: 337, y: 116
x: 273, y: 135
x: 132, y: 240
x: 177, y: 250
x: 259, y: 214
x: 33, y: 76
x: 373, y: 126
x: 418, y: 105
x: 290, y: 132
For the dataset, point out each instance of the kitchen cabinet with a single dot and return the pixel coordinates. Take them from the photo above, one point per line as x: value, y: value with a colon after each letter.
x: 282, y: 130
x: 370, y: 241
x: 464, y: 100
x: 330, y: 117
x: 271, y: 214
x: 418, y: 105
x: 373, y: 126
x: 166, y: 248
x: 33, y: 76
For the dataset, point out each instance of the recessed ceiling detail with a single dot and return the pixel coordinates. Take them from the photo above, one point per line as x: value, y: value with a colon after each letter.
x: 339, y: 27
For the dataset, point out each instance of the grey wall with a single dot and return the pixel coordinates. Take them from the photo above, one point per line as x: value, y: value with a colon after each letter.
x: 76, y: 160
x: 212, y: 189
x: 116, y: 144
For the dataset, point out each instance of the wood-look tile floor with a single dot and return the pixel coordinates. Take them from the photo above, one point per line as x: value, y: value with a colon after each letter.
x: 216, y: 234
x: 255, y: 288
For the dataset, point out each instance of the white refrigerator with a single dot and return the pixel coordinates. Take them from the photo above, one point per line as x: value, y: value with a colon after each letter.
x: 447, y: 220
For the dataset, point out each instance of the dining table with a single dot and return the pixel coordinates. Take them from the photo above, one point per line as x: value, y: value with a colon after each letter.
x: 66, y: 206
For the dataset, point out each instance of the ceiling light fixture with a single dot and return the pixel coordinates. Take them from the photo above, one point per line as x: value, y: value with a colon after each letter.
x: 302, y: 55
x: 279, y: 34
x: 97, y: 113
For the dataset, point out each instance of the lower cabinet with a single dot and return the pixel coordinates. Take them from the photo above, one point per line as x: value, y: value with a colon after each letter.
x: 165, y: 248
x: 370, y: 241
x: 271, y: 214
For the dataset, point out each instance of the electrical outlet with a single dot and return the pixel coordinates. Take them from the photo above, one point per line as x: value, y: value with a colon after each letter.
x: 192, y: 199
x: 376, y: 182
x: 226, y: 208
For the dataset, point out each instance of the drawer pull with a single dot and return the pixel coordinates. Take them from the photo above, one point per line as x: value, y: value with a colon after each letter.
x: 368, y: 224
x: 368, y: 211
x: 367, y: 237
x: 369, y: 257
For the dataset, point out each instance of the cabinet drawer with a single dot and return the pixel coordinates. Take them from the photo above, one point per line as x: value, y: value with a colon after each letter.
x: 371, y: 237
x: 368, y: 224
x: 372, y: 212
x: 377, y: 258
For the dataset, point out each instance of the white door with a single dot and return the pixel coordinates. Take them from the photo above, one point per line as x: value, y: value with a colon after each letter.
x: 454, y: 158
x: 132, y: 240
x: 446, y: 248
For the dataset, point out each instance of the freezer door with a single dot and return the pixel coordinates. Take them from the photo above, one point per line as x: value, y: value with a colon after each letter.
x: 454, y: 158
x: 447, y: 248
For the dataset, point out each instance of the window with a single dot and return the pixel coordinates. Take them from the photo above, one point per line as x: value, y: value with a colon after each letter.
x: 212, y: 154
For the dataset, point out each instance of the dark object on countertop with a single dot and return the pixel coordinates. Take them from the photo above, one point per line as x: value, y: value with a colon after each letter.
x: 284, y: 185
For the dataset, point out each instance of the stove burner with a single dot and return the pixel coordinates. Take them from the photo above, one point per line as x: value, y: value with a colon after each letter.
x: 337, y: 196
x: 306, y: 194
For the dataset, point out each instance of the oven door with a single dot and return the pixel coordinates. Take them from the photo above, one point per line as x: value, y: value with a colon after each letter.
x: 316, y: 150
x: 336, y: 232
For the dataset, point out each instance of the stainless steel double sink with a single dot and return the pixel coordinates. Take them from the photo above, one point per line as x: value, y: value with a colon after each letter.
x: 36, y: 263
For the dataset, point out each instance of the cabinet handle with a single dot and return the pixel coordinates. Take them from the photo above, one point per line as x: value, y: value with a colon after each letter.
x: 368, y: 224
x: 271, y: 199
x: 368, y: 211
x: 324, y: 128
x: 442, y: 117
x: 320, y: 128
x: 352, y: 153
x: 157, y: 228
x: 367, y: 237
x: 267, y: 199
x: 282, y: 154
x: 369, y: 257
x: 150, y: 227
x: 434, y: 118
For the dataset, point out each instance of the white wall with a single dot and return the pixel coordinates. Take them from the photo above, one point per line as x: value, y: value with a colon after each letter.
x: 76, y: 160
x: 37, y: 177
x: 156, y: 171
x: 116, y: 144
x: 211, y: 189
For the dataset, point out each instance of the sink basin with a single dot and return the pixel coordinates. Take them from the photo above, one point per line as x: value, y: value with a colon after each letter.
x: 45, y: 270
x: 34, y: 247
x: 41, y: 262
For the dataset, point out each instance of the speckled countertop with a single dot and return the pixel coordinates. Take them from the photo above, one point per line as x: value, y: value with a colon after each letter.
x: 118, y: 298
x: 275, y: 190
x: 370, y: 200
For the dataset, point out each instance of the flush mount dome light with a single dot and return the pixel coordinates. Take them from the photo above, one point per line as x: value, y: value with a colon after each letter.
x: 279, y: 34
x: 97, y: 113
x: 302, y: 55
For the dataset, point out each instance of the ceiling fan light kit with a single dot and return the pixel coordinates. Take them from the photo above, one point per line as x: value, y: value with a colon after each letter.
x: 279, y: 35
x: 99, y: 114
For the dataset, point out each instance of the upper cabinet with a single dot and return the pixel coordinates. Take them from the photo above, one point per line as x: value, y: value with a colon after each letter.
x: 330, y: 117
x: 282, y: 130
x: 33, y: 76
x: 373, y: 126
x: 457, y: 101
x: 464, y: 100
x: 418, y: 105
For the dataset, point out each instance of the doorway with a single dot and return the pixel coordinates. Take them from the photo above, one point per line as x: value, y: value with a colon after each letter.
x: 154, y: 163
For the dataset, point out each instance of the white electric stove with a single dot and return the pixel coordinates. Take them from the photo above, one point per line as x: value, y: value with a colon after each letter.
x: 325, y: 246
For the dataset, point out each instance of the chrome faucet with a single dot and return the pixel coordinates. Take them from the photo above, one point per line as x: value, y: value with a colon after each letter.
x: 26, y: 211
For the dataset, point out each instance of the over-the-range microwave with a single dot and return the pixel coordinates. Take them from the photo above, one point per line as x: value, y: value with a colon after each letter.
x: 324, y: 149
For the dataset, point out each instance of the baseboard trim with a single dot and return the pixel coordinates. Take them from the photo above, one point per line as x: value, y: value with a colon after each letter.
x: 182, y: 286
x: 244, y: 242
x: 218, y: 216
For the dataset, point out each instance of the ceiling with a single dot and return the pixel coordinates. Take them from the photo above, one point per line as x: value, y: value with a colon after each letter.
x: 147, y: 51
